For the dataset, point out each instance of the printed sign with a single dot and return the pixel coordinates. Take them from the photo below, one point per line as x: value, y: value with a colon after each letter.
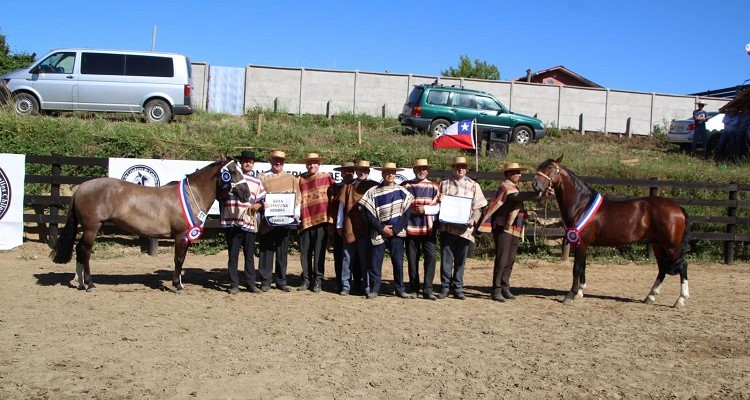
x: 455, y: 210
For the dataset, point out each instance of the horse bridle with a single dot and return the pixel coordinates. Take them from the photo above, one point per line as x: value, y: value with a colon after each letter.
x: 226, y: 177
x: 550, y: 176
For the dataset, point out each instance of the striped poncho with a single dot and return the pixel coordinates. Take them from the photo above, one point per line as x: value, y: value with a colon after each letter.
x: 387, y: 204
x: 233, y: 210
x: 316, y: 190
x: 425, y: 193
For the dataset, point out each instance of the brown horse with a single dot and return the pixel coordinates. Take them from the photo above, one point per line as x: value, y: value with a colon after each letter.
x: 592, y: 220
x: 176, y: 210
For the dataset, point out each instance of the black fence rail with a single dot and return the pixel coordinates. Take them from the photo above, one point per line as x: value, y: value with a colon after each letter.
x: 48, y: 216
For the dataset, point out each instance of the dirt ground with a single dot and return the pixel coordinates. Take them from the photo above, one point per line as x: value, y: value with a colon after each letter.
x: 134, y: 338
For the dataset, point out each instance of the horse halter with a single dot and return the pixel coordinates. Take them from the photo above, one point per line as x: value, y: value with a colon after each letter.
x: 226, y: 177
x: 550, y: 176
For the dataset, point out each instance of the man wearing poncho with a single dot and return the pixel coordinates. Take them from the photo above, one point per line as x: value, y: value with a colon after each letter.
x: 387, y: 209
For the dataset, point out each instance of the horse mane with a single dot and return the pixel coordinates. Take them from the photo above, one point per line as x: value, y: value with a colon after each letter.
x: 581, y: 187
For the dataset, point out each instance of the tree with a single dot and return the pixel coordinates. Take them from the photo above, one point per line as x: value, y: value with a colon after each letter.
x: 10, y: 62
x: 480, y: 70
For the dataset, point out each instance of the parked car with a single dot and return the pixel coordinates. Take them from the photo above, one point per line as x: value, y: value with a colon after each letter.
x: 158, y: 85
x: 434, y: 107
x: 681, y: 131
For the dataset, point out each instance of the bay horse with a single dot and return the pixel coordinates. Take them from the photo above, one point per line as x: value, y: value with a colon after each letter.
x: 176, y: 210
x: 592, y: 220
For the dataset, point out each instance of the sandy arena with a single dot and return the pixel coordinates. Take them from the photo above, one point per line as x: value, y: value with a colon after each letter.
x: 134, y: 338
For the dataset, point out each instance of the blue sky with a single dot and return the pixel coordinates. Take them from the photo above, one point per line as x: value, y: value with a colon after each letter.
x: 662, y: 46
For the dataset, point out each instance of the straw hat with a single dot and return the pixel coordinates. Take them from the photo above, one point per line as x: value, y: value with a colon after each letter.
x: 246, y: 154
x: 389, y: 166
x: 701, y: 102
x: 514, y: 166
x: 460, y: 160
x: 277, y: 154
x: 312, y: 157
x: 346, y: 165
x: 363, y: 164
x: 421, y: 162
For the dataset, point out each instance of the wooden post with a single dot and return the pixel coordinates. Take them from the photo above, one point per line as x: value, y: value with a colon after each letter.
x: 627, y: 127
x: 565, y: 250
x: 652, y: 191
x: 260, y: 123
x: 54, y: 209
x: 731, y: 226
x: 359, y: 132
x: 328, y: 109
x: 153, y: 247
x: 382, y: 113
x: 276, y: 105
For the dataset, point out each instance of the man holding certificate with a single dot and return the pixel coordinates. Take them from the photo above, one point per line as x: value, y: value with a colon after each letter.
x: 461, y: 206
x: 280, y: 211
x: 387, y: 208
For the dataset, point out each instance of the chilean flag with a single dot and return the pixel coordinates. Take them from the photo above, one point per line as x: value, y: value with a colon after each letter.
x: 460, y: 135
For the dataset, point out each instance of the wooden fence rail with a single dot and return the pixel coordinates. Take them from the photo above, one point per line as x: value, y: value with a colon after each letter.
x: 47, y: 207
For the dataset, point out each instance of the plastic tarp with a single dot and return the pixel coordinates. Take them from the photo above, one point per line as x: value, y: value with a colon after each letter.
x: 226, y: 90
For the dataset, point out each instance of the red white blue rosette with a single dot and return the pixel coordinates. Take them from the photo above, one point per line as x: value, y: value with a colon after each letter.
x: 573, y: 236
x: 194, y: 233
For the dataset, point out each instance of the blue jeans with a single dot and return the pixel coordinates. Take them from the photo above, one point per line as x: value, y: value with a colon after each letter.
x: 699, y: 139
x: 358, y: 251
x: 396, y: 247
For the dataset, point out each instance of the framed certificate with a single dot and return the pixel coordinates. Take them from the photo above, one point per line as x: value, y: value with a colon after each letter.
x: 280, y: 210
x: 455, y: 210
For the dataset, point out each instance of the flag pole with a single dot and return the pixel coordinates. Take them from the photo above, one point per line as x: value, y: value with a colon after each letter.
x: 476, y: 142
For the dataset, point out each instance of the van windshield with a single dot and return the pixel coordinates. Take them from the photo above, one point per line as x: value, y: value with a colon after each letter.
x: 58, y: 63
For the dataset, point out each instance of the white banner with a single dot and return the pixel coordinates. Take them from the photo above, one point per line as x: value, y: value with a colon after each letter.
x: 12, y: 178
x: 152, y: 172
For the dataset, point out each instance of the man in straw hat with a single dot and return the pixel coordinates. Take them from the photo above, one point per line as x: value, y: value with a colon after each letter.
x: 455, y: 239
x: 699, y: 133
x: 316, y: 189
x: 240, y: 224
x: 505, y: 217
x: 421, y: 235
x: 352, y: 226
x: 387, y: 208
x: 343, y: 277
x: 274, y: 240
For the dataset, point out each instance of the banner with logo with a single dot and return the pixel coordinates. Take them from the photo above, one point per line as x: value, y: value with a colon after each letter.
x: 152, y: 172
x: 12, y: 179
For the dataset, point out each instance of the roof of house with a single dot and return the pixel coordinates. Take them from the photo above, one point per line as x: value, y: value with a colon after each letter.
x: 561, y: 69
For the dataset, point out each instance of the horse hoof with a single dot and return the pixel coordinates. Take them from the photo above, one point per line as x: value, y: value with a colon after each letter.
x: 91, y: 290
x: 579, y: 294
x: 567, y: 300
x: 81, y: 287
x: 180, y: 291
x: 680, y: 303
x: 649, y: 300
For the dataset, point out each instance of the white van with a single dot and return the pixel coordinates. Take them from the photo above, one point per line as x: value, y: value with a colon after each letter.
x: 158, y: 85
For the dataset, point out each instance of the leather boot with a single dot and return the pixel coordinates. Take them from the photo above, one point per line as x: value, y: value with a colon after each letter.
x: 497, y: 295
x: 507, y: 294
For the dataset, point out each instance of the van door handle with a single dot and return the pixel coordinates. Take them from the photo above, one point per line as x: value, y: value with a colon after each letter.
x: 69, y: 77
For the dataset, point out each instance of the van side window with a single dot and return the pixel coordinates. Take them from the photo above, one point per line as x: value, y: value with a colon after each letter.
x: 437, y: 97
x: 102, y: 64
x: 487, y: 103
x: 463, y: 100
x: 149, y: 66
x: 58, y: 63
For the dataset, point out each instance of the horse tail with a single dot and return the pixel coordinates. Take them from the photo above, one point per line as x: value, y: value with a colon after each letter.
x: 62, y: 253
x: 679, y: 263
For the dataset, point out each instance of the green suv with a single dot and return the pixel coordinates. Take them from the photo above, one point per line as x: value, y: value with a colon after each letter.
x: 434, y: 107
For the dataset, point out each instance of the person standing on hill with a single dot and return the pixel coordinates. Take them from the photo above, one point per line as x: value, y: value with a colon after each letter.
x: 316, y: 189
x: 274, y: 240
x: 421, y: 232
x: 240, y: 225
x: 700, y: 135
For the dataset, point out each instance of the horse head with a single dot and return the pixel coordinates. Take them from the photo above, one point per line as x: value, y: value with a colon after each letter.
x: 231, y: 179
x: 547, y: 175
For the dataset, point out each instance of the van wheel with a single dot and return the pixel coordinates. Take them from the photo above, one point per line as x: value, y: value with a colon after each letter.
x: 157, y: 112
x: 522, y: 135
x: 438, y: 127
x: 25, y: 104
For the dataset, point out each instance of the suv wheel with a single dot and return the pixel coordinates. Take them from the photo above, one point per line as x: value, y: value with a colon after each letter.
x: 438, y: 126
x: 522, y: 135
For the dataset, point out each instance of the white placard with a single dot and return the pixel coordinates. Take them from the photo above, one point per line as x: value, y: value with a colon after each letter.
x: 455, y: 209
x: 279, y: 204
x: 12, y: 177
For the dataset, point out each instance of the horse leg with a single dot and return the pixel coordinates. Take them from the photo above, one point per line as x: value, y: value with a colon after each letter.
x: 656, y: 288
x: 684, y: 289
x: 579, y: 263
x: 180, y: 250
x: 83, y: 257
